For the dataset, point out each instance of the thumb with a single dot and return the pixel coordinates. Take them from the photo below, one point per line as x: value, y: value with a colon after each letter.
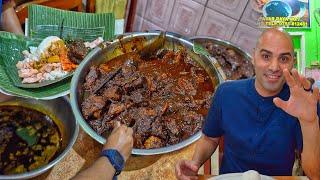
x: 279, y: 103
x: 116, y: 125
x: 193, y: 167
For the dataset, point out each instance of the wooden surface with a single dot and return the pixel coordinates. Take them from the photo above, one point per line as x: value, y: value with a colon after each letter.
x: 86, y: 150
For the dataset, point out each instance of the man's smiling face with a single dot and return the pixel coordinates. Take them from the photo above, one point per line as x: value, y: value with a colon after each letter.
x: 273, y: 54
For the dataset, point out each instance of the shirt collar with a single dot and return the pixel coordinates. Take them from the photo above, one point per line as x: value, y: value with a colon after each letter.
x: 284, y: 93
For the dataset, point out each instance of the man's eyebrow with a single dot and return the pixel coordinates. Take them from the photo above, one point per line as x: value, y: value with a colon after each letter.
x: 264, y: 50
x: 285, y: 54
x: 282, y: 54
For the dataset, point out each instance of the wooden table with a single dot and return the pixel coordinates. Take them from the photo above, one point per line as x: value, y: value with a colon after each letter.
x: 86, y: 150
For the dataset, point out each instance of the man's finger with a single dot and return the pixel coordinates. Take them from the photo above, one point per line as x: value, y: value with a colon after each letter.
x: 178, y: 171
x: 288, y: 77
x: 296, y: 77
x: 316, y: 93
x: 130, y: 131
x: 194, y: 177
x: 116, y: 126
x: 192, y: 167
x: 183, y: 177
x: 305, y: 83
x: 280, y: 103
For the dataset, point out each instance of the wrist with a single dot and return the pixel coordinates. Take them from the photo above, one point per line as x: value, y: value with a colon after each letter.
x: 115, y: 159
x: 107, y: 164
x: 310, y: 123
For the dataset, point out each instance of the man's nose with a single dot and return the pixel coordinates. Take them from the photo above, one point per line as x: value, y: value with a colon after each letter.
x: 274, y: 65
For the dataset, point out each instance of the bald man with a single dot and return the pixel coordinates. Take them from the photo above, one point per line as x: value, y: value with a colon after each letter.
x: 263, y: 120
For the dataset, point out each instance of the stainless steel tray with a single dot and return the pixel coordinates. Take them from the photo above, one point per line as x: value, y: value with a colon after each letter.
x: 202, y: 39
x: 97, y: 56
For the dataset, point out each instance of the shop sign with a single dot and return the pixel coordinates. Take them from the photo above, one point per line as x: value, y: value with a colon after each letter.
x: 282, y: 13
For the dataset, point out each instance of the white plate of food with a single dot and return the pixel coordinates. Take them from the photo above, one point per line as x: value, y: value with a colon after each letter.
x: 248, y: 175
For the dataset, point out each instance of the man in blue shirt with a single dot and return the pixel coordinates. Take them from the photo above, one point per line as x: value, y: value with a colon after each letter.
x: 263, y: 120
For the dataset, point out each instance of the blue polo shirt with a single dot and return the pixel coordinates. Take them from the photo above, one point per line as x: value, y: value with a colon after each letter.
x: 257, y: 134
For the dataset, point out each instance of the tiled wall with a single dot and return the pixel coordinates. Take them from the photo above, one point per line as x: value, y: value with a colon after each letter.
x: 232, y: 20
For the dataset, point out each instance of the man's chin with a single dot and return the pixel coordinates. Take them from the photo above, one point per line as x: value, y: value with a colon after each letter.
x: 273, y: 87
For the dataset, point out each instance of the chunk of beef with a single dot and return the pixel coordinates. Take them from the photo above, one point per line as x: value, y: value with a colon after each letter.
x: 135, y: 84
x: 104, y: 79
x: 142, y: 129
x: 137, y: 96
x: 173, y: 140
x: 192, y: 123
x: 91, y: 78
x: 125, y: 118
x: 77, y: 51
x: 92, y: 104
x: 112, y: 93
x: 158, y: 129
x: 138, y: 140
x: 247, y: 70
x: 98, y: 126
x: 161, y: 109
x: 147, y: 113
x: 116, y: 108
x: 172, y: 125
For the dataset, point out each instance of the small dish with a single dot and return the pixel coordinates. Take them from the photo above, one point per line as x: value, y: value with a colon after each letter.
x: 277, y: 8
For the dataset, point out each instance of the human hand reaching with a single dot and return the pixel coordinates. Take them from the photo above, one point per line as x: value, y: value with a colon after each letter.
x: 120, y: 139
x: 187, y: 170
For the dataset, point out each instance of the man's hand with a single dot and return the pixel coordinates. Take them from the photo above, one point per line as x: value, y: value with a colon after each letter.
x: 187, y: 170
x: 120, y: 139
x: 302, y: 104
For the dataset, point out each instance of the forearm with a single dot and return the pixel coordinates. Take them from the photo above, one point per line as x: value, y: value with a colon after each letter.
x: 10, y: 21
x: 101, y: 169
x: 311, y: 149
x: 204, y: 149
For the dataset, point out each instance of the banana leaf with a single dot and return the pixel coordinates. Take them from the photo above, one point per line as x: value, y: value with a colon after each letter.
x: 44, y: 20
x: 11, y: 47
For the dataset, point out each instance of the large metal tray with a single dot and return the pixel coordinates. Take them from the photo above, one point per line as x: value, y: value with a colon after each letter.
x: 98, y: 56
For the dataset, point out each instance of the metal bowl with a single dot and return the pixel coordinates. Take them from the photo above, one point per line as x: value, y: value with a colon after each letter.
x: 98, y: 56
x: 204, y: 39
x: 218, y: 42
x: 61, y: 109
